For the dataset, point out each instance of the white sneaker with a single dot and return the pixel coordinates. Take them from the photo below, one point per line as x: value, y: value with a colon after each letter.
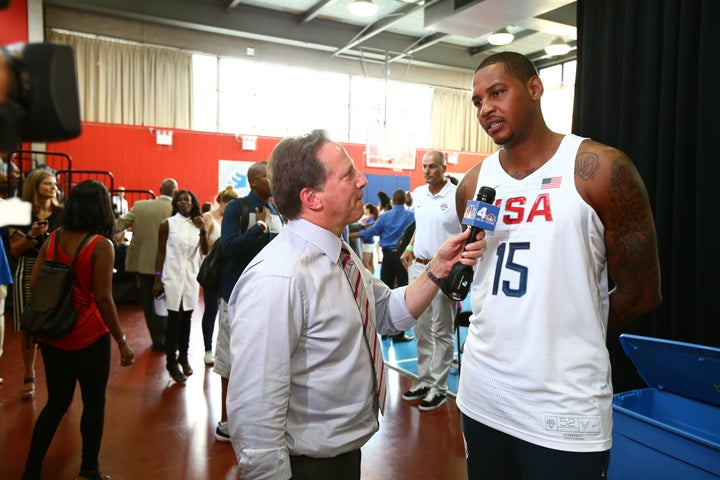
x: 432, y: 401
x: 221, y: 432
x: 209, y: 359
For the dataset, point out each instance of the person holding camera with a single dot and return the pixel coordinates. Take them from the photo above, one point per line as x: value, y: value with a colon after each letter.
x: 40, y: 190
x: 20, y: 107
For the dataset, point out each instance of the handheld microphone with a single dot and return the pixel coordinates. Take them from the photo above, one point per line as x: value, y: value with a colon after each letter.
x: 481, y: 215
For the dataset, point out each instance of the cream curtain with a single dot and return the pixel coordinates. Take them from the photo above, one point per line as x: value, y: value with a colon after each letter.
x: 455, y: 125
x: 131, y: 84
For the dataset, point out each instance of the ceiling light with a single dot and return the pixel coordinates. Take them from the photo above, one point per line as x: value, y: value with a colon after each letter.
x: 557, y: 47
x: 501, y: 37
x: 363, y: 8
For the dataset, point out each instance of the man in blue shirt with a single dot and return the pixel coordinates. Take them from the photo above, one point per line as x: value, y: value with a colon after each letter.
x: 389, y: 227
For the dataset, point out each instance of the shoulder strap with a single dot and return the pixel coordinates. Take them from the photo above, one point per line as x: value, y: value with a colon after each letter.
x: 244, y: 215
x: 79, y: 247
x: 56, y: 234
x: 77, y: 250
x: 275, y: 211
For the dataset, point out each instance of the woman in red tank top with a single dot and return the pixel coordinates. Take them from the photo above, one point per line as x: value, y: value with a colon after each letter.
x: 83, y: 356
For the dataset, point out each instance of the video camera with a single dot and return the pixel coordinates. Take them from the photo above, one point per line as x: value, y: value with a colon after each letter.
x: 38, y: 94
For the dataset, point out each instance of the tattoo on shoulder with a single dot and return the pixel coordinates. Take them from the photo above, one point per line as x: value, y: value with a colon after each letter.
x: 623, y: 190
x: 587, y: 165
x: 628, y: 200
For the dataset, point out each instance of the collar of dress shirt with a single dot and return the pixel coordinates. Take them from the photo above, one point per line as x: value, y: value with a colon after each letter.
x: 323, y: 239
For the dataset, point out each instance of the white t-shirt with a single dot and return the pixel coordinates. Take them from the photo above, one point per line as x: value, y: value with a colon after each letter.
x: 435, y: 219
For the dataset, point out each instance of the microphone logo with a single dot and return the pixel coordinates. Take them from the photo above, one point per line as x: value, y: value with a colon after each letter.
x: 481, y: 215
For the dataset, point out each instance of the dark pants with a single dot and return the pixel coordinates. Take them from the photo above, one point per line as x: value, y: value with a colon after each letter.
x: 343, y: 467
x: 177, y: 335
x: 208, y: 319
x: 156, y: 325
x: 493, y: 455
x: 90, y: 367
x: 392, y: 271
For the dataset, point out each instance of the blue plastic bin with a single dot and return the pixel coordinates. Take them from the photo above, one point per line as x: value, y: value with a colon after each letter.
x: 672, y: 429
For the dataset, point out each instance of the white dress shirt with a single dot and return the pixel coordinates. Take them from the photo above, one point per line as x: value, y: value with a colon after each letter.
x: 302, y: 380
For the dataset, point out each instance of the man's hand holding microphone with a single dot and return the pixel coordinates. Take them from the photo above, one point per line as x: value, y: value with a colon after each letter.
x: 481, y: 216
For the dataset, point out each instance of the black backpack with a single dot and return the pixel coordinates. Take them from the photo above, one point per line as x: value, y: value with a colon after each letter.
x: 211, y: 267
x: 50, y: 313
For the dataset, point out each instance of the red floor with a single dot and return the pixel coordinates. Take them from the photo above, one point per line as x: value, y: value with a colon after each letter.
x: 157, y: 429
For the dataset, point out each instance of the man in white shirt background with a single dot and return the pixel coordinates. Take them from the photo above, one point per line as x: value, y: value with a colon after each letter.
x: 120, y: 205
x: 435, y: 220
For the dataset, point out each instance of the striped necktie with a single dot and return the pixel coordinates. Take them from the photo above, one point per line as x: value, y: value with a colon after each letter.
x: 355, y: 278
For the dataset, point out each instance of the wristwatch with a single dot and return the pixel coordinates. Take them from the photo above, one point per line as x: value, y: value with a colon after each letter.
x: 437, y: 281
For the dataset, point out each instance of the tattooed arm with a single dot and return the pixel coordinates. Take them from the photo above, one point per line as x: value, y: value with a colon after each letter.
x: 610, y: 183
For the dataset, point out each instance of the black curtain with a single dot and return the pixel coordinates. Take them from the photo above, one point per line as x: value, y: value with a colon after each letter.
x: 648, y: 83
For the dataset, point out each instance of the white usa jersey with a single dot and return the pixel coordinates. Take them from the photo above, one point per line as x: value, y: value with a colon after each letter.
x: 535, y: 365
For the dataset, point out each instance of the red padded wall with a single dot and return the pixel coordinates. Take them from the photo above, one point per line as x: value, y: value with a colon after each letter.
x: 14, y: 23
x: 137, y: 162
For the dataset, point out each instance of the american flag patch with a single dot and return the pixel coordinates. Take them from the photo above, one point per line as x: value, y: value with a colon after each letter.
x: 550, y: 182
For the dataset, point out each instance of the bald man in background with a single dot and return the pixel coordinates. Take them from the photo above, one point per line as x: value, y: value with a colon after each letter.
x: 145, y: 218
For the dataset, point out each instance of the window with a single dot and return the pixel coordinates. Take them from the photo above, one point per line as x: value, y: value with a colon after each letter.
x: 558, y: 100
x: 205, y: 93
x: 266, y: 99
x: 248, y: 97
